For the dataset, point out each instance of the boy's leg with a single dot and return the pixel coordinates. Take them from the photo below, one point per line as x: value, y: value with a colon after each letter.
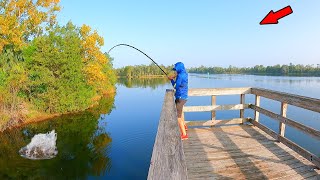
x: 179, y: 105
x: 182, y: 117
x: 181, y: 126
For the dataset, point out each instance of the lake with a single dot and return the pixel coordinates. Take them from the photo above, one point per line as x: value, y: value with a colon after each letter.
x: 115, y: 139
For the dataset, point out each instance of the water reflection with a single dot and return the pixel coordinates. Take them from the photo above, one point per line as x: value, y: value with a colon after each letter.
x: 83, y: 147
x: 143, y: 82
x: 257, y: 78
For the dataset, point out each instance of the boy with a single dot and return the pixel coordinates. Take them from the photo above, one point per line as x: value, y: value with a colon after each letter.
x: 181, y: 95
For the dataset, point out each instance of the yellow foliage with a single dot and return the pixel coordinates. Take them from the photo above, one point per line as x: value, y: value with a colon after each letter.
x: 24, y: 18
x: 93, y: 58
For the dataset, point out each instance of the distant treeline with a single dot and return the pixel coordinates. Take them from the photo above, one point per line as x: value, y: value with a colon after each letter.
x: 284, y: 70
x: 142, y: 71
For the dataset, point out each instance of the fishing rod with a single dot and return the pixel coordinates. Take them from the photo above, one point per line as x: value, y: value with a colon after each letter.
x: 142, y: 53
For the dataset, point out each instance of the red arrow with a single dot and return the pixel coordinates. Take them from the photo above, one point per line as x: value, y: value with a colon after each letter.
x: 273, y: 17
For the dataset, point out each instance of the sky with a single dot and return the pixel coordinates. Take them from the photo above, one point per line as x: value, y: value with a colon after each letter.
x: 203, y: 32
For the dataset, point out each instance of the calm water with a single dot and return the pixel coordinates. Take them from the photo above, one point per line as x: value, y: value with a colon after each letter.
x: 115, y: 139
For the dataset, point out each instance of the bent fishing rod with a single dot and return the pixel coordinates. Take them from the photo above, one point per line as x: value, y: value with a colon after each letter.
x: 140, y: 52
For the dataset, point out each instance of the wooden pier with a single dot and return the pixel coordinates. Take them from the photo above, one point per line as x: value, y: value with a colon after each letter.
x: 239, y: 148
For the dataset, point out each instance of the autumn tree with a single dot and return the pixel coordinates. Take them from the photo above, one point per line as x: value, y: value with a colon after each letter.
x: 21, y: 20
x: 56, y: 82
x: 46, y: 67
x: 97, y: 67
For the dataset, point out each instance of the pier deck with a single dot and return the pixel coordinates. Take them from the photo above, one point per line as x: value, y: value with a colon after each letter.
x: 238, y: 148
x: 242, y: 152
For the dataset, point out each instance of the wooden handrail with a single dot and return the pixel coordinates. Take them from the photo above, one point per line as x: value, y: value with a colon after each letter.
x: 219, y: 91
x: 289, y: 122
x: 215, y: 108
x: 304, y: 102
x: 306, y: 154
x: 168, y: 161
x: 217, y: 122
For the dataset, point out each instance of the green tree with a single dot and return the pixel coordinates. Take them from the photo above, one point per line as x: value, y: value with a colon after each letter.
x: 284, y: 70
x: 56, y: 82
x: 12, y: 79
x: 128, y: 71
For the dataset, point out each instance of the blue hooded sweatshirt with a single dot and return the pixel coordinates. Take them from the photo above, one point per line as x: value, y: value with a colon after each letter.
x: 181, y: 83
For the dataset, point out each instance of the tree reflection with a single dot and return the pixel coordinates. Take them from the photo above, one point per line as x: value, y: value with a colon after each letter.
x: 143, y: 82
x: 83, y: 147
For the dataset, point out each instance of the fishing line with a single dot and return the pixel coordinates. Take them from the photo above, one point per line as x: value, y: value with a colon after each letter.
x: 140, y: 52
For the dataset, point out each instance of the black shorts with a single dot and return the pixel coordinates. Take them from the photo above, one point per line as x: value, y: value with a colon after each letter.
x: 179, y: 104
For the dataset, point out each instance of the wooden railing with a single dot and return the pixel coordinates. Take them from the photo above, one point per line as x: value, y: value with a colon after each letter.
x: 213, y: 108
x: 167, y: 161
x: 285, y: 99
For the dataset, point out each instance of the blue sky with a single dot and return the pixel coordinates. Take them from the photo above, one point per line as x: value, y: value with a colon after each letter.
x: 206, y: 32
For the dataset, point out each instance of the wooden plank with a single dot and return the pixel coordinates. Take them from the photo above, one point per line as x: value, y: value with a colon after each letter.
x: 253, y: 149
x: 312, y: 104
x: 268, y: 162
x: 217, y: 122
x: 256, y: 113
x: 238, y: 155
x: 215, y: 108
x: 306, y: 154
x: 219, y: 91
x: 283, y: 113
x: 168, y: 160
x: 267, y: 170
x: 303, y: 128
x: 223, y: 153
x: 213, y: 103
x: 242, y: 101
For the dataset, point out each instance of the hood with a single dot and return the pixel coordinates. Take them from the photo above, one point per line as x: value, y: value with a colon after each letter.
x: 179, y: 67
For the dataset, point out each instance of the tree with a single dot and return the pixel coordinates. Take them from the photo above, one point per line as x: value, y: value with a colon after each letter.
x: 284, y: 69
x: 128, y: 71
x: 21, y: 20
x: 13, y: 77
x: 55, y: 69
x: 97, y: 67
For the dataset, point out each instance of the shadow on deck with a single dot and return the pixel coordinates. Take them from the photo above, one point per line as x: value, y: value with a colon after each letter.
x: 242, y: 152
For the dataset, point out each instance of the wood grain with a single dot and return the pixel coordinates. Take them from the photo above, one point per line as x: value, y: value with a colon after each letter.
x: 215, y: 108
x: 283, y: 113
x: 217, y: 122
x: 303, y: 128
x: 218, y: 91
x: 242, y: 101
x: 241, y: 152
x: 168, y: 160
x: 312, y: 104
x: 301, y: 151
x: 213, y: 103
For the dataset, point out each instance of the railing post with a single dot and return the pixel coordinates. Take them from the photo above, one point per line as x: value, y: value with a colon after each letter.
x: 256, y: 113
x: 242, y: 101
x: 282, y: 126
x: 213, y: 112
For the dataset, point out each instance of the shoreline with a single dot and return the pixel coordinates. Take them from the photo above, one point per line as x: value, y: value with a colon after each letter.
x: 45, y: 117
x: 261, y: 74
x: 143, y: 77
